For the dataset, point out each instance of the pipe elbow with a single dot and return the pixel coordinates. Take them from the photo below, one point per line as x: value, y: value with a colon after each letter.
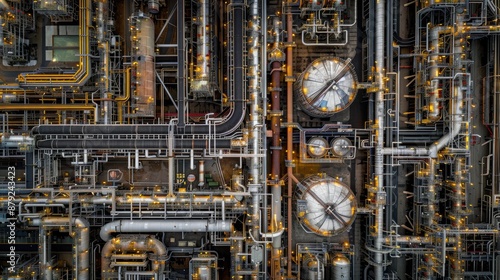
x: 109, y: 229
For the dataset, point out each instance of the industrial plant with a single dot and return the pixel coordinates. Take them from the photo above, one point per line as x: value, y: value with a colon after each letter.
x: 249, y: 139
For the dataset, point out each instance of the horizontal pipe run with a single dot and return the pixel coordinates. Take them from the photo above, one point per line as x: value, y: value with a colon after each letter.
x: 172, y: 225
x: 114, y: 144
x: 45, y: 107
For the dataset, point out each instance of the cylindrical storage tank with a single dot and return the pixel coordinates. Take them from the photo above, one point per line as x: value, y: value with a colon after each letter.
x: 341, y: 267
x: 312, y: 268
x: 326, y: 87
x: 143, y: 65
x: 317, y: 147
x: 341, y: 147
x: 200, y: 85
x: 330, y: 205
x: 153, y: 6
x: 204, y: 273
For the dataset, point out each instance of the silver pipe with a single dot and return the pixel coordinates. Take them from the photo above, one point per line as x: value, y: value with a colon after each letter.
x: 254, y: 71
x: 15, y: 141
x: 379, y: 132
x: 143, y: 243
x: 43, y: 250
x: 173, y: 225
x: 202, y: 70
x: 434, y: 112
x: 80, y: 241
x: 228, y: 198
x: 201, y: 176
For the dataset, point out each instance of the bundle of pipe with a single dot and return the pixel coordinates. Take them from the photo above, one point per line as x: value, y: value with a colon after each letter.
x: 80, y: 241
x: 134, y: 243
x: 225, y: 128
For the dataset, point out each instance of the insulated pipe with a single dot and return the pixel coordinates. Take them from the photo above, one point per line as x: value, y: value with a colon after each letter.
x: 142, y: 243
x: 45, y: 107
x: 43, y: 253
x: 172, y: 225
x: 276, y: 219
x: 127, y: 200
x: 80, y: 241
x: 181, y: 53
x: 202, y: 71
x: 15, y: 141
x: 289, y: 134
x: 379, y: 133
x: 256, y: 120
x: 434, y: 112
x: 128, y: 144
x: 103, y: 47
x: 201, y: 176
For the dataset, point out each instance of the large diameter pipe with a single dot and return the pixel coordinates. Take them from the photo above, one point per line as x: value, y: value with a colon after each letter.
x: 141, y: 243
x: 80, y: 242
x: 143, y: 69
x: 434, y: 112
x: 129, y: 144
x: 254, y: 71
x: 276, y: 219
x: 379, y: 132
x: 202, y: 70
x: 289, y: 135
x: 173, y: 225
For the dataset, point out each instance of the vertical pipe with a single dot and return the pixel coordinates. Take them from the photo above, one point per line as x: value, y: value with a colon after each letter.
x: 276, y: 218
x: 44, y: 253
x: 289, y: 134
x: 201, y: 176
x: 200, y: 83
x: 103, y: 46
x: 181, y: 79
x: 256, y: 120
x: 379, y: 133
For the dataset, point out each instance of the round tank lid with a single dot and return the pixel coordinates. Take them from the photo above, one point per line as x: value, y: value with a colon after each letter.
x: 341, y: 146
x: 327, y: 86
x: 331, y: 206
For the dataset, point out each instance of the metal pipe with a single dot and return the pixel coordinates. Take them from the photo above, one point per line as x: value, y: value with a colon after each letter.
x: 130, y: 144
x: 172, y: 225
x: 276, y: 219
x: 379, y: 134
x: 201, y: 176
x: 120, y: 100
x: 43, y: 251
x: 181, y: 52
x: 143, y: 65
x: 289, y: 133
x: 45, y: 107
x: 434, y: 112
x: 80, y: 241
x: 201, y: 81
x: 141, y: 243
x: 7, y: 140
x: 256, y: 120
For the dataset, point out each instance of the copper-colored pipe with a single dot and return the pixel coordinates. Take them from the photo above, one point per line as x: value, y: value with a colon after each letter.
x: 289, y: 136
